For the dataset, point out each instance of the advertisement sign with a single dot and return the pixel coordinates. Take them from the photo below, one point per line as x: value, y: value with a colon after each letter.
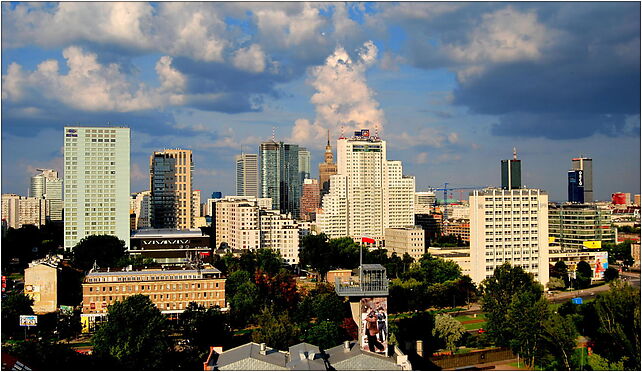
x: 365, y: 132
x: 592, y: 244
x: 600, y: 264
x: 28, y: 320
x: 374, y: 325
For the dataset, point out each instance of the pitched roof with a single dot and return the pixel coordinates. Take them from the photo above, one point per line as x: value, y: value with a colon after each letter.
x: 249, y: 357
x: 353, y: 358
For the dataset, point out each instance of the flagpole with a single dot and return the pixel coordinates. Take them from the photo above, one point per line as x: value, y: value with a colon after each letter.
x: 361, y: 264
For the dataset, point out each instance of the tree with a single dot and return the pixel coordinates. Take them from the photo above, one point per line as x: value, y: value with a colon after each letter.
x: 244, y: 304
x: 279, y: 290
x: 555, y: 283
x: 203, y: 327
x: 560, y: 335
x: 583, y: 274
x: 611, y: 274
x: 330, y: 307
x: 105, y: 250
x: 434, y: 270
x: 325, y: 334
x: 14, y: 305
x: 275, y: 329
x: 560, y: 270
x: 268, y: 261
x: 498, y: 293
x: 234, y: 281
x: 449, y: 330
x: 525, y: 322
x: 315, y: 253
x: 135, y: 334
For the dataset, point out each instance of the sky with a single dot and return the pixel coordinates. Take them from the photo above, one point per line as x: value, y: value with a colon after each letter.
x: 451, y: 87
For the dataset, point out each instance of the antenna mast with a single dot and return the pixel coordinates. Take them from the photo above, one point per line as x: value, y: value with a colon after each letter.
x: 514, y: 153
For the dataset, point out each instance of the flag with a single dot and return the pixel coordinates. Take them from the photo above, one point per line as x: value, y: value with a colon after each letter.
x: 365, y: 239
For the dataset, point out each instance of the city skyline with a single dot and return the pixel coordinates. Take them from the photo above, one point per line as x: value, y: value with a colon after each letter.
x: 446, y: 106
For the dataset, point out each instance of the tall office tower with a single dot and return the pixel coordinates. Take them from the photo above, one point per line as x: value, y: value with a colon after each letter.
x: 508, y: 226
x: 576, y: 186
x: 96, y: 183
x: 18, y: 211
x: 141, y: 207
x: 279, y: 176
x: 304, y: 163
x: 48, y: 186
x: 270, y: 175
x: 171, y: 187
x: 369, y: 193
x: 586, y: 166
x: 512, y: 173
x: 327, y: 169
x: 247, y: 175
x: 311, y: 199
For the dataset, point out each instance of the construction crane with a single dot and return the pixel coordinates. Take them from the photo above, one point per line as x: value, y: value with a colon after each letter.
x: 446, y: 189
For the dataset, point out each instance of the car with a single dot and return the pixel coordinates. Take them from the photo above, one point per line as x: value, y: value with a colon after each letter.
x: 481, y: 330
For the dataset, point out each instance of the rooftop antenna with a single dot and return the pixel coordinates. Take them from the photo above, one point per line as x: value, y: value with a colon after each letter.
x: 376, y: 131
x: 514, y: 153
x: 273, y: 134
x: 328, y: 136
x: 342, y: 131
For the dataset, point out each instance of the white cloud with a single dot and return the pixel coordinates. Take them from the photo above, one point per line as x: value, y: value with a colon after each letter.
x: 250, y: 59
x: 91, y: 86
x: 429, y: 136
x: 343, y: 98
x: 421, y: 158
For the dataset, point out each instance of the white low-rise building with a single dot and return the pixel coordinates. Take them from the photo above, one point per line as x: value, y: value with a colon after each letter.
x: 402, y: 240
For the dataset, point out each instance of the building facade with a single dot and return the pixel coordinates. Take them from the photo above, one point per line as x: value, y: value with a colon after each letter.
x: 170, y: 290
x: 402, y: 240
x: 509, y: 226
x: 574, y: 227
x: 585, y: 165
x: 458, y: 227
x: 310, y: 200
x: 141, y: 210
x: 270, y: 172
x: 281, y: 234
x: 280, y: 178
x: 326, y: 169
x: 371, y: 193
x: 170, y: 246
x: 171, y: 189
x: 47, y: 185
x: 247, y: 175
x: 512, y: 173
x: 18, y: 211
x: 96, y: 182
x: 425, y: 202
x: 304, y: 163
x: 576, y: 186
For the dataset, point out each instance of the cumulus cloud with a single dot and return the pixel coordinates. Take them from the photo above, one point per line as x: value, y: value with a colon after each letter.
x: 250, y: 59
x: 343, y: 98
x: 91, y: 86
x: 428, y: 136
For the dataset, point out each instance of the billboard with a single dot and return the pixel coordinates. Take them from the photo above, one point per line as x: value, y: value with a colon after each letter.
x: 28, y: 320
x: 592, y: 244
x: 374, y: 325
x: 600, y: 264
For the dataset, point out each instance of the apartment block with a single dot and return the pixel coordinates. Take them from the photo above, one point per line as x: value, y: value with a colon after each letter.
x: 18, y: 211
x: 402, y: 240
x: 247, y: 175
x: 310, y: 200
x: 171, y: 187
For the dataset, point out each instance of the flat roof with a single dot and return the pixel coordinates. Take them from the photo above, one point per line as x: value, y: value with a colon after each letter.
x: 152, y: 272
x: 167, y: 233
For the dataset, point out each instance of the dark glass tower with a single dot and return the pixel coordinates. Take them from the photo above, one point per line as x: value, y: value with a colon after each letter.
x: 576, y: 190
x: 512, y: 173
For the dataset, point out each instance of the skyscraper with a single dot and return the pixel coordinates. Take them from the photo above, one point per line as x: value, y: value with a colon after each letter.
x: 327, y: 169
x: 96, y: 183
x: 512, y: 173
x: 304, y: 163
x: 47, y: 185
x: 369, y: 193
x: 586, y: 166
x: 247, y: 175
x: 576, y: 186
x: 310, y: 200
x: 171, y: 188
x: 279, y: 176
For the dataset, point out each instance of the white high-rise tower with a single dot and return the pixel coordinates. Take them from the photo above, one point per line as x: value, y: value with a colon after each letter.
x: 96, y: 183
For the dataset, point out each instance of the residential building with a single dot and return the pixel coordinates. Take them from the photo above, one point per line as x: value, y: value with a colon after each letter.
x: 170, y: 290
x: 635, y: 253
x: 326, y: 169
x: 18, y: 210
x: 170, y: 246
x: 508, y: 226
x: 459, y: 227
x: 636, y: 199
x: 47, y: 185
x: 96, y: 183
x: 424, y: 202
x: 171, y: 188
x: 196, y: 204
x: 371, y: 193
x: 310, y: 200
x: 408, y: 239
x: 281, y: 234
x: 140, y: 208
x: 459, y: 255
x: 304, y: 163
x: 247, y: 175
x: 47, y: 281
x: 512, y: 173
x: 584, y: 168
x: 574, y: 227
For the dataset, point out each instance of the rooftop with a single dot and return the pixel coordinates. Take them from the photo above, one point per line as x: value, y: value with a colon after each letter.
x: 167, y: 233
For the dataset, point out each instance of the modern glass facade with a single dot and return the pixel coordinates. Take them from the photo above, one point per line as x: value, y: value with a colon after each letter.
x: 576, y: 186
x: 511, y: 174
x: 280, y: 178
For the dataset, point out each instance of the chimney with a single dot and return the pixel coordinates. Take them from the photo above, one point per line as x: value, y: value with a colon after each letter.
x: 420, y: 348
x: 263, y: 349
x: 346, y: 346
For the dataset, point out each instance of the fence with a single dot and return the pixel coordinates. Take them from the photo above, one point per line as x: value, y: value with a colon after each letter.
x: 472, y: 358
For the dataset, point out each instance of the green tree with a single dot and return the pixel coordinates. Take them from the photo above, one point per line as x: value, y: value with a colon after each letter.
x: 244, y: 304
x: 275, y: 329
x: 434, y: 270
x: 203, y: 327
x: 555, y: 283
x: 14, y: 305
x: 325, y: 334
x: 105, y: 250
x: 449, y: 330
x: 560, y: 335
x: 234, y: 281
x: 316, y: 254
x: 611, y: 274
x: 268, y: 261
x: 68, y: 324
x: 560, y: 270
x: 330, y: 307
x: 526, y: 316
x: 135, y: 334
x: 583, y: 274
x: 498, y: 293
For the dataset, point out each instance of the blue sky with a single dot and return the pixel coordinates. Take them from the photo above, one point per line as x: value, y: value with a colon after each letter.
x: 452, y: 87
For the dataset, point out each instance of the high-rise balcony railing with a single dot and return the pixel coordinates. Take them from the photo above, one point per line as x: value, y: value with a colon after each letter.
x: 371, y: 282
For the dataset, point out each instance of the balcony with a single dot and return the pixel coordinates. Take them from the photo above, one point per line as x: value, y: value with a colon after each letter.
x: 372, y: 282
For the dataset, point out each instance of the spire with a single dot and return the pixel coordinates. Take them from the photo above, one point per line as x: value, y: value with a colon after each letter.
x: 328, y: 136
x: 273, y: 134
x: 514, y: 153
